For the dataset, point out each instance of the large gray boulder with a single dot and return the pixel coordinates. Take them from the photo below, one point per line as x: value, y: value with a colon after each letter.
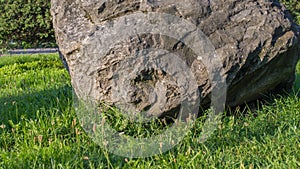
x: 255, y: 42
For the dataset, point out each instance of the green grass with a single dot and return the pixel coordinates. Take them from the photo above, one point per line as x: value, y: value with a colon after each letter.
x: 39, y: 128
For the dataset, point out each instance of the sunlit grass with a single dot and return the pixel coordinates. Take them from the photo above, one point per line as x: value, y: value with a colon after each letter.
x: 39, y: 128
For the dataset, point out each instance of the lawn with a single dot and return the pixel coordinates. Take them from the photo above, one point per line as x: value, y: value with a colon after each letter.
x: 39, y: 128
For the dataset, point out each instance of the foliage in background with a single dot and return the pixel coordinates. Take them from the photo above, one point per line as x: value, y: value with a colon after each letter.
x: 25, y: 24
x: 294, y: 7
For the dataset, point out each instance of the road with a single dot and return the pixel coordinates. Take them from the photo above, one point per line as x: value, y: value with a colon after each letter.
x: 31, y: 51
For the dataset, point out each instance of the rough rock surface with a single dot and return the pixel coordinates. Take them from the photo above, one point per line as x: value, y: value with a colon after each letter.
x: 256, y: 41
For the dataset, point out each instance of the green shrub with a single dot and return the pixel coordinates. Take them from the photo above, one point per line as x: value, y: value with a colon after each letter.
x: 25, y: 24
x: 294, y: 7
